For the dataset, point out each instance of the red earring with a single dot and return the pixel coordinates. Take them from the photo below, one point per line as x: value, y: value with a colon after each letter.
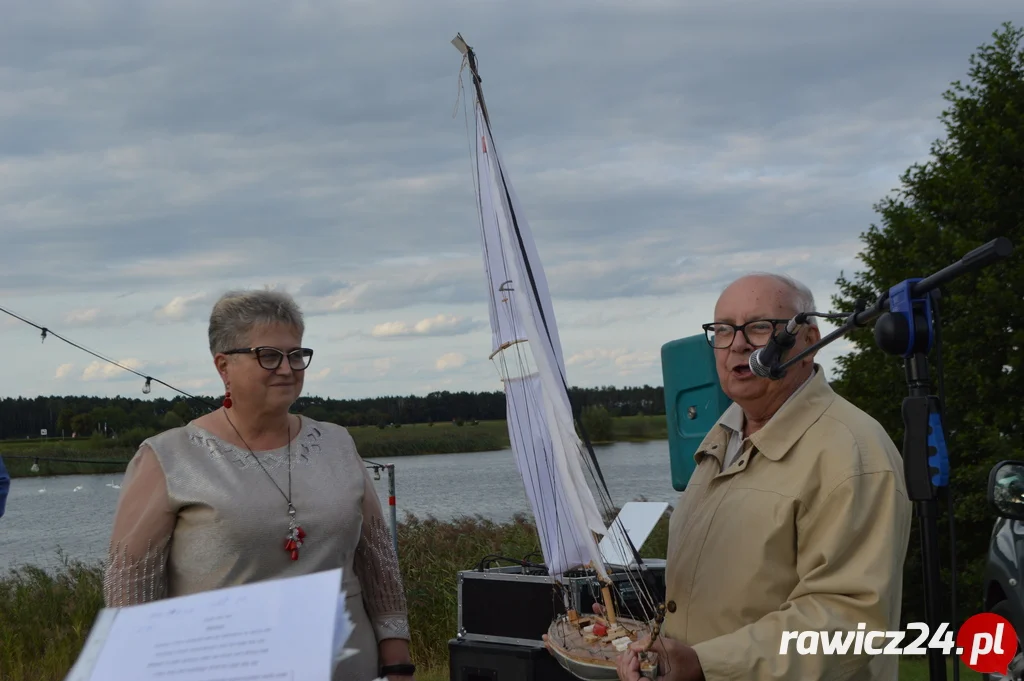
x: 227, y: 399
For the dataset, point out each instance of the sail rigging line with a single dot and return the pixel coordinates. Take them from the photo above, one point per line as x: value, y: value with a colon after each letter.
x: 594, y: 463
x: 538, y: 479
x: 525, y: 370
x: 46, y: 331
x: 547, y: 444
x: 471, y: 56
x: 639, y: 585
x: 504, y: 217
x: 536, y: 455
x: 477, y: 81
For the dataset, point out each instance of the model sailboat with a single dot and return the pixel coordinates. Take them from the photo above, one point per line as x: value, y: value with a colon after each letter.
x: 551, y: 457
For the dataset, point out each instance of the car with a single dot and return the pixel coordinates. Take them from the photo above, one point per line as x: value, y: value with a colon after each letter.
x: 1003, y: 578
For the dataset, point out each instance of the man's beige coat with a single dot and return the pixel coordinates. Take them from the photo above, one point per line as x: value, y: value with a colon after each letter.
x: 807, y: 531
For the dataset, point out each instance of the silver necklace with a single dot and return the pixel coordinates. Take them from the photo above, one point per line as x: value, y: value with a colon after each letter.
x: 296, y: 535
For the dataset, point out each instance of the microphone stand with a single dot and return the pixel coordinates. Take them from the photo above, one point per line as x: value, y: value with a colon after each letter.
x: 905, y: 328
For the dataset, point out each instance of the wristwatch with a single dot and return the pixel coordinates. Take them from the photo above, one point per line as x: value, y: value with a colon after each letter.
x: 404, y: 669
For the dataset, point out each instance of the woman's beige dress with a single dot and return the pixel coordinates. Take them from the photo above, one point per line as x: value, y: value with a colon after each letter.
x: 197, y: 513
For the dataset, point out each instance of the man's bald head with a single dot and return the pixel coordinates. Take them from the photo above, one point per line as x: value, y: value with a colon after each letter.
x: 801, y: 298
x: 760, y: 302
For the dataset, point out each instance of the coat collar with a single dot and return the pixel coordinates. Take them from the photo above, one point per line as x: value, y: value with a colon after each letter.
x: 783, y: 430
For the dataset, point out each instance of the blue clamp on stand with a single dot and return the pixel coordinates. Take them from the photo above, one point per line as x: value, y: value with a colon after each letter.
x: 907, y: 330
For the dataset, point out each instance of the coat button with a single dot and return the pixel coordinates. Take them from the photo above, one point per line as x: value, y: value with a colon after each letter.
x: 671, y: 606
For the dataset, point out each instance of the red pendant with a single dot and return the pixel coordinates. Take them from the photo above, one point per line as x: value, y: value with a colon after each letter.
x: 293, y: 540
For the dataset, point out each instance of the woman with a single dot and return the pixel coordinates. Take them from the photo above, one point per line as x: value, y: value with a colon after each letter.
x: 251, y: 492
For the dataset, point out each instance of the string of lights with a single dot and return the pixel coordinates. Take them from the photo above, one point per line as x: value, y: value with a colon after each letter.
x: 46, y: 331
x: 146, y: 388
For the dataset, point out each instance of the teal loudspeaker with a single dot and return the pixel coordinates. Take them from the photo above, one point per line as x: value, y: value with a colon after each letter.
x: 694, y: 401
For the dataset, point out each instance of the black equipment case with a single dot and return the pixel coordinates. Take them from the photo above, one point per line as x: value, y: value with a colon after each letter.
x: 515, y: 605
x: 483, y: 661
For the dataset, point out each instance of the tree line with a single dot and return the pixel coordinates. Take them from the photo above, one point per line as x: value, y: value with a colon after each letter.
x: 84, y: 415
x: 965, y: 195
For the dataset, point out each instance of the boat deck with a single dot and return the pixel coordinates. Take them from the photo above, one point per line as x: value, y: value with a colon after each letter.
x: 574, y: 644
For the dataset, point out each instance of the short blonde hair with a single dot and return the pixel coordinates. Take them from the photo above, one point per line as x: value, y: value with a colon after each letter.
x: 237, y: 312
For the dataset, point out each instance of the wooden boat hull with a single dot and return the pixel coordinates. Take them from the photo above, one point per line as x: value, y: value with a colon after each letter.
x: 594, y: 661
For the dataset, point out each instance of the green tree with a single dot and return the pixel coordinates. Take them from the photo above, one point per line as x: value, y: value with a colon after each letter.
x: 183, y: 409
x: 970, y: 192
x: 114, y: 418
x: 64, y: 419
x: 171, y: 420
x: 598, y: 423
x: 82, y: 424
x: 317, y: 412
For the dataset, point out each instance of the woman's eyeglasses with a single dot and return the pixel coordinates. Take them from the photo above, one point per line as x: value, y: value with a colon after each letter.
x: 271, y: 358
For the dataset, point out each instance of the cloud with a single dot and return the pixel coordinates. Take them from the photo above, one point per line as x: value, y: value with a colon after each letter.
x: 100, y: 370
x: 182, y: 307
x: 318, y: 375
x: 198, y: 384
x: 450, y: 360
x: 440, y: 325
x: 63, y: 370
x: 158, y: 154
x: 624, y: 362
x: 383, y: 365
x: 104, y: 371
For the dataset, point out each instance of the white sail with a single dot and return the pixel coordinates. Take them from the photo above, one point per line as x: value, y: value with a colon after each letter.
x: 528, y: 350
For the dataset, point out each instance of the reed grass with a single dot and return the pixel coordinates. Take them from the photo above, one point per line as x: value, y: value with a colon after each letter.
x: 76, y: 456
x: 45, y: 616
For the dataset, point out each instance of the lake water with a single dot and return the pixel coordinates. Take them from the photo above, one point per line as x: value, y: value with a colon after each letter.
x: 74, y: 513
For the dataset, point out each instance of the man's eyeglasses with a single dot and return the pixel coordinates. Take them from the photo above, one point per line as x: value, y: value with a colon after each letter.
x: 757, y: 332
x: 270, y: 358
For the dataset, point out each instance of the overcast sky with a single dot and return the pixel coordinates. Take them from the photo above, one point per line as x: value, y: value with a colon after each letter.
x: 153, y: 155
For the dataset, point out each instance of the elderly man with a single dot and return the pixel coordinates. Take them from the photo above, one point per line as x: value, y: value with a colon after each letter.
x: 796, y: 517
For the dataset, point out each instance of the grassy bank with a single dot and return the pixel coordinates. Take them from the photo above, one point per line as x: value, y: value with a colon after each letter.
x: 101, y: 455
x: 45, y: 618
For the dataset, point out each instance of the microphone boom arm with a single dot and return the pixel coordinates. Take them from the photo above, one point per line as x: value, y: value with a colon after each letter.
x: 980, y: 257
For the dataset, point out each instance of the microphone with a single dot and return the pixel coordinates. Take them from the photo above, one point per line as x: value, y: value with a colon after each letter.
x: 764, y: 362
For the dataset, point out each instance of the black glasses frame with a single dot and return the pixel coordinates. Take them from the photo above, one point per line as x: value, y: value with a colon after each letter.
x: 266, y: 353
x: 743, y: 329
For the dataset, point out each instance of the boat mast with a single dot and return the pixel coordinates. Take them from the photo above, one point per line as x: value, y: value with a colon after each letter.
x: 460, y: 44
x: 606, y: 596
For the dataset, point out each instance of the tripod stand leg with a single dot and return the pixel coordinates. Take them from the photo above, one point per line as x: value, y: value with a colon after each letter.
x: 919, y: 422
x: 928, y: 515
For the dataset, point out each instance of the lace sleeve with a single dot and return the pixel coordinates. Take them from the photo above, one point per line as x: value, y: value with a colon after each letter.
x: 376, y: 566
x: 140, y: 540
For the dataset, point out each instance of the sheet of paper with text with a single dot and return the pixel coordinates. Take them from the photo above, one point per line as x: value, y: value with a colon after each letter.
x: 277, y: 630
